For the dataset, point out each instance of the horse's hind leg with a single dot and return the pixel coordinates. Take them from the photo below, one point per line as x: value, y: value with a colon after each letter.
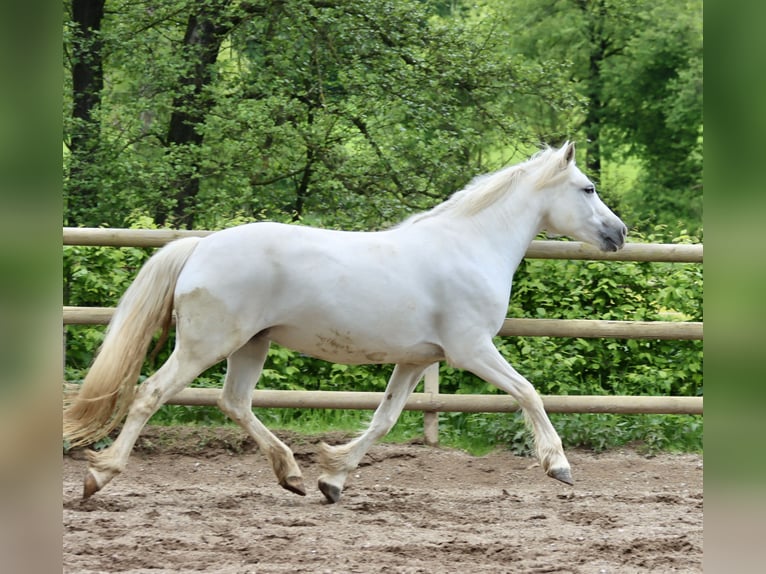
x: 244, y: 368
x: 169, y: 379
x: 338, y: 461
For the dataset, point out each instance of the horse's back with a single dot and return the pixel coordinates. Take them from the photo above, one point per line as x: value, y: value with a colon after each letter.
x: 353, y: 297
x: 274, y: 253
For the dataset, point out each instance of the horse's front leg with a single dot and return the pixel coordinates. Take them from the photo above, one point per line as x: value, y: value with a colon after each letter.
x: 337, y: 461
x: 487, y: 362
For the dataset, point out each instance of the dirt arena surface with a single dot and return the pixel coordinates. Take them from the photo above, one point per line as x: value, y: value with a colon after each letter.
x: 205, y: 500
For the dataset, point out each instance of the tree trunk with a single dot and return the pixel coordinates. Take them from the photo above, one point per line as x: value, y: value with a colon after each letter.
x: 594, y: 13
x: 87, y: 84
x: 595, y: 112
x: 205, y: 31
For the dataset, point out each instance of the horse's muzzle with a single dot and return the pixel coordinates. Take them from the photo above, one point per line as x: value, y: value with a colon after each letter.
x: 612, y: 239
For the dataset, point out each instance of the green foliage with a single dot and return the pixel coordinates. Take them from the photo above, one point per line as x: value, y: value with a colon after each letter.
x: 481, y: 432
x: 352, y: 112
x: 638, y: 66
x: 96, y: 277
x: 662, y: 58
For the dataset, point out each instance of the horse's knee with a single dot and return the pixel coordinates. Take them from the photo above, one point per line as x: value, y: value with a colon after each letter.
x: 235, y: 408
x: 229, y: 408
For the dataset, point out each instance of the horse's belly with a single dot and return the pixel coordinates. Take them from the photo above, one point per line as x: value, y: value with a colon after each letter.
x: 337, y: 346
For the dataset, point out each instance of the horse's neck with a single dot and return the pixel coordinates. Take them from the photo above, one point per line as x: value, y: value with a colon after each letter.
x: 507, y: 228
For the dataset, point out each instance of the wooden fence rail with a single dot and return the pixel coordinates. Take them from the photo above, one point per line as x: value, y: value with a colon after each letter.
x: 435, y: 402
x: 430, y: 401
x: 512, y: 327
x: 657, y: 252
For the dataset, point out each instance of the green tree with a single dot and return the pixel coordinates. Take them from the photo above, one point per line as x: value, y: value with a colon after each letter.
x: 207, y: 26
x: 583, y: 36
x: 638, y: 65
x: 345, y: 113
x: 655, y: 91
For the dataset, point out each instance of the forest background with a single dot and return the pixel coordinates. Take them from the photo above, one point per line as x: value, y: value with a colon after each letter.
x: 356, y: 114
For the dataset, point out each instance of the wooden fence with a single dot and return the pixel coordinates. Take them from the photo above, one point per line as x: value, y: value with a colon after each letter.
x: 430, y: 401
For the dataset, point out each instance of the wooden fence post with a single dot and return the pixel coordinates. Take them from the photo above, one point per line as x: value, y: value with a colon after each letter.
x: 431, y: 418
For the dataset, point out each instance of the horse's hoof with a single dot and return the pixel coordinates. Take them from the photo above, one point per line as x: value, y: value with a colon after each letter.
x: 330, y: 491
x: 293, y: 484
x: 562, y: 474
x: 90, y: 486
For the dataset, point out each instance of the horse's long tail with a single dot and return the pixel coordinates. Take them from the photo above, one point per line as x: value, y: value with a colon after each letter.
x: 109, y: 387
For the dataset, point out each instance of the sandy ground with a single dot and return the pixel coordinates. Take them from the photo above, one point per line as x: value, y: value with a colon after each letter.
x: 205, y: 500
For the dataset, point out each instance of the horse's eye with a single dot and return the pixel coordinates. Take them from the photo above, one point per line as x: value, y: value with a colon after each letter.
x: 589, y: 189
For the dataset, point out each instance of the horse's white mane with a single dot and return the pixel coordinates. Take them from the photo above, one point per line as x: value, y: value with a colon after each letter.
x: 484, y: 190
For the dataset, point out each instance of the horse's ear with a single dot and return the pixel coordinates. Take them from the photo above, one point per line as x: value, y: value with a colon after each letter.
x: 569, y: 154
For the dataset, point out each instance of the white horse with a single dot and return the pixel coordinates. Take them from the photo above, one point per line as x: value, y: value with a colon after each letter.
x: 433, y: 288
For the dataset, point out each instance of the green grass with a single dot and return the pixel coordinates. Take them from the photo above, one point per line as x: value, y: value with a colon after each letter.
x: 477, y: 433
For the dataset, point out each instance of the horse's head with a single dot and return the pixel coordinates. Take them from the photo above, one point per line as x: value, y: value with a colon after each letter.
x: 574, y: 209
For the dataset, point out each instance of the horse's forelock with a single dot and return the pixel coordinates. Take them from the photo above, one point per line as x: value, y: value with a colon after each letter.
x: 545, y: 167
